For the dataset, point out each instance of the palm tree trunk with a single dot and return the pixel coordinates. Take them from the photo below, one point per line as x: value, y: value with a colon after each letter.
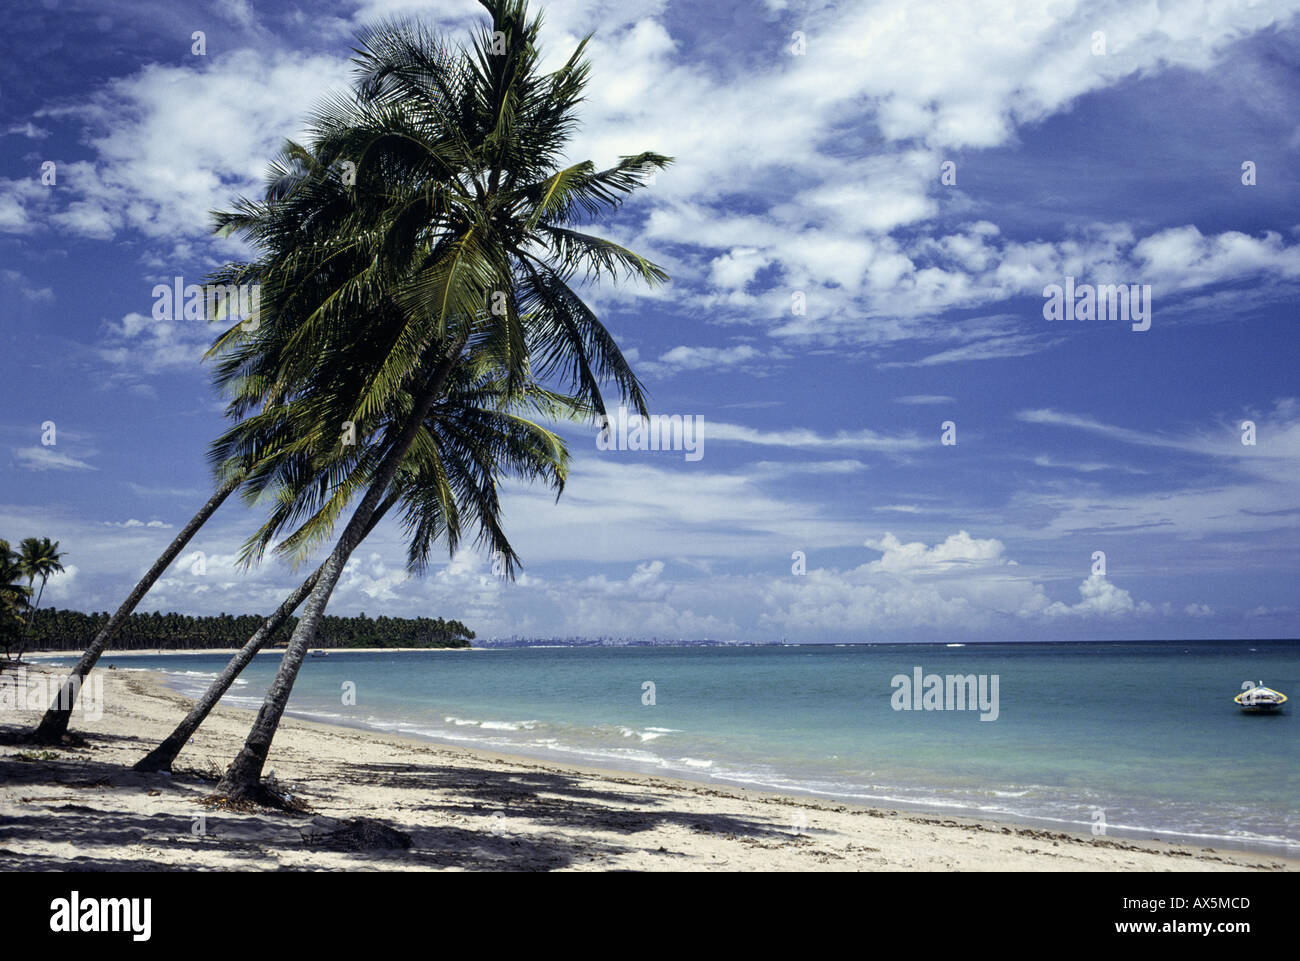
x: 22, y: 642
x: 55, y: 722
x: 162, y: 757
x: 242, y: 780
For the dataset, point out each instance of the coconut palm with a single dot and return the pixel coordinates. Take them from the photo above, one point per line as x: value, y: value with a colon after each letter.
x: 453, y: 230
x: 39, y: 557
x: 478, y: 436
x: 13, y: 598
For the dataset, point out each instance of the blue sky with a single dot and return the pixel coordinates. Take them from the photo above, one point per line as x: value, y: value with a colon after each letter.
x: 815, y: 174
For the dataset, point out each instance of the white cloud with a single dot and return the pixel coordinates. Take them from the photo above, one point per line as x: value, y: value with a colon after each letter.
x: 14, y: 279
x: 148, y: 491
x: 372, y: 578
x: 174, y: 142
x: 46, y: 458
x: 715, y: 431
x: 713, y: 359
x: 28, y: 130
x: 62, y: 584
x: 141, y: 344
x: 959, y: 550
x: 961, y: 584
x: 991, y: 349
x: 737, y: 267
x: 1083, y: 467
x: 925, y: 399
x: 1101, y: 598
x: 1183, y: 258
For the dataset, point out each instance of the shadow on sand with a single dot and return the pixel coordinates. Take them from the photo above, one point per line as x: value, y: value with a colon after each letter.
x: 529, y: 812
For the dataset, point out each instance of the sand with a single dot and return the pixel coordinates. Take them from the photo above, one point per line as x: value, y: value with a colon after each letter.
x: 82, y: 808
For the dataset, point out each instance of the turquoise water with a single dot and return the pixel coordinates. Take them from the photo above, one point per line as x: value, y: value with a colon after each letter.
x: 1147, y: 733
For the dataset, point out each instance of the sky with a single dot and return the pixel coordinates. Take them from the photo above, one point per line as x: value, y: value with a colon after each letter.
x: 867, y: 205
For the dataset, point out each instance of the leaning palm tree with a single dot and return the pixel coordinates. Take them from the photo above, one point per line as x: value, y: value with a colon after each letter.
x: 248, y: 389
x: 39, y: 557
x: 456, y: 231
x: 478, y: 433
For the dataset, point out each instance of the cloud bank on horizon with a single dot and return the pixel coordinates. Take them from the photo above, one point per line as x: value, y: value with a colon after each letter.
x: 868, y: 203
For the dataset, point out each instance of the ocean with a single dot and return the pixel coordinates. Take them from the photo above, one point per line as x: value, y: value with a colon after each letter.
x: 1137, y: 740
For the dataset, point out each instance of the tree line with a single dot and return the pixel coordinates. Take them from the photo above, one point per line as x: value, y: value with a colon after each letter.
x: 59, y: 630
x: 35, y: 557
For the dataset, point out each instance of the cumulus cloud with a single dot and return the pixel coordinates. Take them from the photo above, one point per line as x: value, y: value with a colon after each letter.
x: 62, y: 584
x: 1100, y: 598
x: 644, y: 581
x: 372, y: 577
x: 959, y: 584
x: 959, y: 550
x: 737, y: 267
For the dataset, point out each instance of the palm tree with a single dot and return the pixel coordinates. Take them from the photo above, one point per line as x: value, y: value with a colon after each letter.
x: 13, y: 598
x: 458, y: 232
x: 478, y: 434
x: 38, y: 558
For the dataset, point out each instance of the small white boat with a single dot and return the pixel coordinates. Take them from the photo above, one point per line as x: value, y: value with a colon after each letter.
x: 1260, y: 700
x: 319, y: 653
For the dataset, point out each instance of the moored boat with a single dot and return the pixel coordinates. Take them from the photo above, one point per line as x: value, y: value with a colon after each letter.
x: 1260, y: 700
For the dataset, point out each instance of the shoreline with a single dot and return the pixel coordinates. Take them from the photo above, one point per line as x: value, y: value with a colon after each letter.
x: 1260, y: 846
x: 188, y: 652
x: 475, y: 809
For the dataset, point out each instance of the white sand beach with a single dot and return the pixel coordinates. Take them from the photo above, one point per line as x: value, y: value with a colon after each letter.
x: 82, y: 808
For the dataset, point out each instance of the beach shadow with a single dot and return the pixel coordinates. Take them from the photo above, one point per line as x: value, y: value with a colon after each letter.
x: 261, y: 842
x: 95, y: 829
x: 551, y: 798
x: 74, y: 739
x: 530, y: 811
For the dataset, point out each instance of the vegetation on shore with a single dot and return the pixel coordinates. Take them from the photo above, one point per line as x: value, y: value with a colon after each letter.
x: 24, y: 625
x: 56, y: 630
x: 35, y: 557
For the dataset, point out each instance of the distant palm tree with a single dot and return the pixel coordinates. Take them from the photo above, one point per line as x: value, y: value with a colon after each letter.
x: 13, y: 599
x: 38, y: 558
x: 453, y: 229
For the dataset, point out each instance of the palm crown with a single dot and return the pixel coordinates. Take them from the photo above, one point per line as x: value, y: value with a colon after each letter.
x: 478, y: 433
x: 428, y: 216
x: 13, y: 593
